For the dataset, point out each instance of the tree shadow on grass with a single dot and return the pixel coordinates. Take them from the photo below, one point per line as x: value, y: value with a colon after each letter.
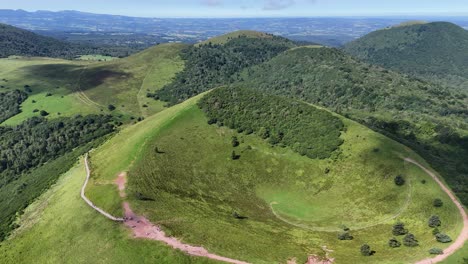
x: 80, y: 77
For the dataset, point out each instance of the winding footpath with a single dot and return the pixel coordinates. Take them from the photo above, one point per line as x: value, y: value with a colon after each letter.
x: 463, y: 237
x: 104, y: 213
x: 143, y: 228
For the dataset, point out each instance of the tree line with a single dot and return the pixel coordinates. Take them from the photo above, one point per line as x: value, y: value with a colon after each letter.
x: 10, y: 103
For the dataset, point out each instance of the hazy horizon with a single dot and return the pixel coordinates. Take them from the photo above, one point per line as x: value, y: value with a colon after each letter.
x: 250, y: 9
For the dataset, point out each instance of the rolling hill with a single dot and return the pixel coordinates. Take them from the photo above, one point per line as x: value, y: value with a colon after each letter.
x: 434, y: 50
x: 20, y: 42
x: 246, y: 159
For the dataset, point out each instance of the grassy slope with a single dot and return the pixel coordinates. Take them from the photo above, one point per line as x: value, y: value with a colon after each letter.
x: 460, y: 257
x: 60, y: 228
x: 149, y: 69
x: 225, y: 38
x: 120, y: 152
x: 215, y: 191
x: 84, y: 87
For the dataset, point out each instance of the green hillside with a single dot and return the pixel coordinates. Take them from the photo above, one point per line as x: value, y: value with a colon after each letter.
x: 20, y: 42
x: 65, y: 88
x: 433, y: 50
x: 182, y: 175
x: 60, y: 218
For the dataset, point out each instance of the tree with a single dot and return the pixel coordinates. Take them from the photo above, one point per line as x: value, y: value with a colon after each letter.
x: 443, y: 238
x: 235, y: 141
x: 43, y: 113
x: 399, y: 180
x: 410, y: 240
x: 345, y: 236
x: 436, y: 251
x: 111, y: 107
x: 434, y: 221
x: 394, y: 243
x: 366, y: 250
x: 438, y: 203
x: 399, y: 229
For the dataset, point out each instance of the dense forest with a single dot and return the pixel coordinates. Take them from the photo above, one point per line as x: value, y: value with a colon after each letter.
x: 34, y: 144
x: 309, y: 131
x: 36, y: 141
x: 210, y: 65
x: 15, y: 41
x: 427, y: 117
x: 436, y: 51
x: 10, y: 103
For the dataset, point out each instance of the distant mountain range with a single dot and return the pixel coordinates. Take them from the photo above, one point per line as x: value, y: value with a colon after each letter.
x: 327, y: 31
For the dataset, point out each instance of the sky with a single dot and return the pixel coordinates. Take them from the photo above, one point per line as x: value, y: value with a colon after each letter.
x: 247, y: 8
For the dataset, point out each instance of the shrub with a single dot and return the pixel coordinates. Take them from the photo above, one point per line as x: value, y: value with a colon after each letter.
x: 345, y: 236
x: 235, y: 141
x: 366, y: 250
x: 399, y: 229
x: 234, y: 156
x: 438, y: 203
x: 434, y: 221
x: 111, y: 107
x: 399, y: 180
x: 443, y: 238
x: 436, y: 251
x: 410, y: 240
x: 423, y: 181
x: 393, y: 243
x: 43, y: 113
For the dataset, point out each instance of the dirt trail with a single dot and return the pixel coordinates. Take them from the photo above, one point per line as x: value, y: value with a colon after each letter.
x: 463, y: 237
x: 104, y: 213
x: 143, y: 228
x: 121, y: 181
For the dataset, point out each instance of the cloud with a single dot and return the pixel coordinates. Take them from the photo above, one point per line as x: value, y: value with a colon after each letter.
x: 282, y: 4
x: 277, y: 4
x: 212, y: 2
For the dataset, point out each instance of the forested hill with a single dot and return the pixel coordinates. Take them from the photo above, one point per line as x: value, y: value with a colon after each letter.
x: 16, y: 41
x: 210, y: 65
x: 425, y: 116
x: 431, y: 49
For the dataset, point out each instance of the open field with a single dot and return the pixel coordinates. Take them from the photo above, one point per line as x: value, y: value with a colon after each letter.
x: 183, y: 190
